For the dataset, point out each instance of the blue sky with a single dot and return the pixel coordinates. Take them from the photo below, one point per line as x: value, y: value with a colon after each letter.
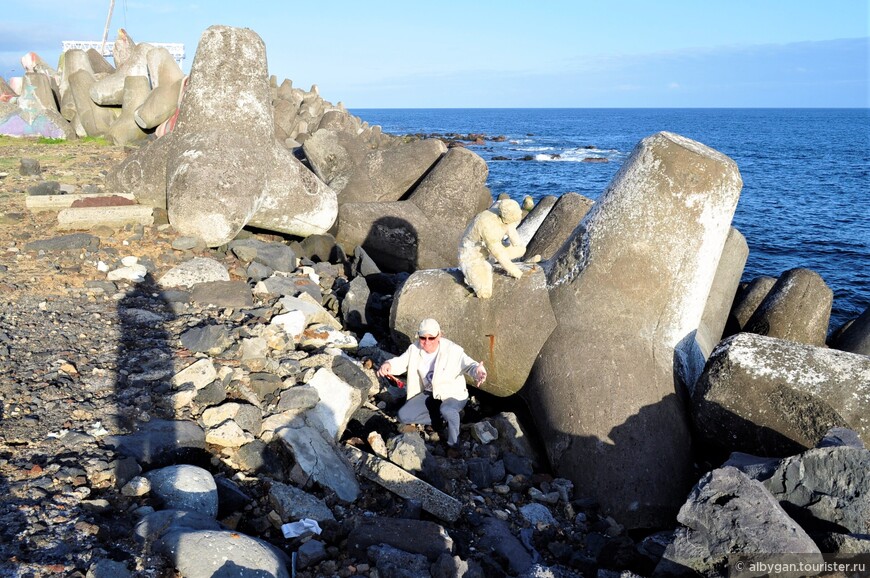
x: 506, y: 53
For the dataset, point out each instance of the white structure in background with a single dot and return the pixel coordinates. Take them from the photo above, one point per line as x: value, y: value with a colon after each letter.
x: 176, y: 50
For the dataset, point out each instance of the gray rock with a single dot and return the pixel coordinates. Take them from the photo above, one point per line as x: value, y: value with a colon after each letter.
x: 629, y: 284
x: 318, y: 457
x: 392, y: 562
x: 196, y: 270
x: 826, y: 489
x: 355, y: 305
x: 797, y: 308
x: 160, y: 441
x: 212, y: 339
x: 856, y: 337
x: 559, y: 224
x: 422, y: 537
x: 728, y: 513
x: 185, y: 487
x: 156, y: 524
x: 408, y: 451
x: 29, y: 168
x: 338, y: 401
x: 235, y: 294
x: 70, y: 242
x: 45, y: 188
x: 310, y: 553
x: 293, y: 504
x: 143, y: 173
x: 749, y: 298
x: 108, y: 569
x: 773, y: 397
x: 209, y: 553
x: 840, y: 436
x: 498, y: 538
x: 300, y: 397
x: 537, y: 514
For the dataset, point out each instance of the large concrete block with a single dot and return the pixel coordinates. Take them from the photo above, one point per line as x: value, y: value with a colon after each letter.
x: 143, y: 173
x: 422, y: 232
x: 95, y: 120
x: 109, y: 90
x: 214, y: 174
x: 856, y: 337
x: 628, y: 286
x: 486, y: 328
x: 697, y: 348
x: 797, y: 308
x: 558, y: 225
x: 295, y: 201
x: 774, y: 397
x: 124, y: 129
x: 748, y: 300
x: 536, y: 216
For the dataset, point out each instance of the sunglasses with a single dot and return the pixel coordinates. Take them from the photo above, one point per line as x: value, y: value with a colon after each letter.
x: 427, y: 337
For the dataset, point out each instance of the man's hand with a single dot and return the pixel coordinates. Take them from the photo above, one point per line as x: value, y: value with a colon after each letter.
x: 534, y: 259
x: 479, y: 374
x: 385, y: 369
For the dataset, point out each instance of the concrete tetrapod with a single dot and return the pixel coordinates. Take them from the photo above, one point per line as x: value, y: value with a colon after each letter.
x: 628, y: 286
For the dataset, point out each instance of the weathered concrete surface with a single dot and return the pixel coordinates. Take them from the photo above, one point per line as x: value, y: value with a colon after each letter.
x: 856, y: 337
x: 535, y: 217
x: 774, y: 397
x: 290, y: 184
x: 748, y: 300
x: 214, y: 173
x: 143, y: 173
x: 83, y: 218
x: 422, y: 232
x: 403, y: 484
x: 628, y: 286
x: 716, y: 311
x: 797, y: 308
x: 506, y: 348
x: 557, y: 227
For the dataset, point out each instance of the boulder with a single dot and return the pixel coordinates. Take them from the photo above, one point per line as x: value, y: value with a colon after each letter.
x: 717, y: 309
x: 124, y: 129
x: 214, y: 177
x: 773, y: 397
x: 533, y: 219
x: 338, y: 401
x: 422, y: 232
x: 210, y: 553
x: 856, y: 337
x: 507, y: 350
x: 415, y: 536
x: 559, y: 224
x: 291, y: 184
x: 143, y: 173
x: 797, y: 308
x: 109, y: 90
x: 728, y: 513
x: 826, y: 489
x: 94, y: 120
x: 359, y: 175
x: 629, y: 285
x: 185, y: 487
x: 160, y: 105
x: 748, y: 299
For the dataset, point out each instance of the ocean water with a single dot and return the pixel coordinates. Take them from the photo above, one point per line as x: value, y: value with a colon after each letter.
x: 806, y: 173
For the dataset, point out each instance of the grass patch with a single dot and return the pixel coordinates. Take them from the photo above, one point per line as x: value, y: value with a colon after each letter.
x: 50, y: 141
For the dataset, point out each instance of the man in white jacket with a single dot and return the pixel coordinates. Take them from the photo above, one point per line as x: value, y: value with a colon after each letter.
x: 436, y: 369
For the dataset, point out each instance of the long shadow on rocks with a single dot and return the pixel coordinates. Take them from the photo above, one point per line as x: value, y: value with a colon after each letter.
x: 393, y: 243
x: 145, y: 396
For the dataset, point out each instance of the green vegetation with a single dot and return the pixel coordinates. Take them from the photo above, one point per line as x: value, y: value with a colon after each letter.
x: 50, y: 141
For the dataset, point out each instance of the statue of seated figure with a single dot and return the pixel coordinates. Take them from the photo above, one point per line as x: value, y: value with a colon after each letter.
x: 484, y: 238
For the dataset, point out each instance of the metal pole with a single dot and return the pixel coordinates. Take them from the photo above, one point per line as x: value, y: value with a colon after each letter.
x: 106, y: 29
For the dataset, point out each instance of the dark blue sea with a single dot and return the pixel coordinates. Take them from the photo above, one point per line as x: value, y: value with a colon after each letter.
x: 806, y: 173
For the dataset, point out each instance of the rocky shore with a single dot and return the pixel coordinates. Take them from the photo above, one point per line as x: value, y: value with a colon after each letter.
x: 191, y: 325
